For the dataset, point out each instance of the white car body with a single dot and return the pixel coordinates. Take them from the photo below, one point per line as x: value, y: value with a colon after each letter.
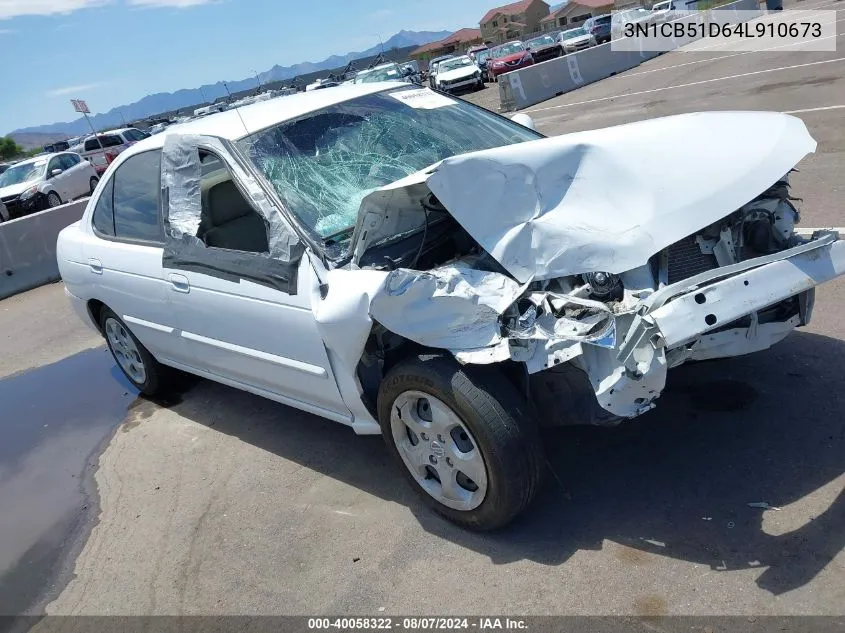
x: 454, y: 79
x: 63, y: 174
x: 578, y: 43
x: 663, y: 11
x: 586, y: 271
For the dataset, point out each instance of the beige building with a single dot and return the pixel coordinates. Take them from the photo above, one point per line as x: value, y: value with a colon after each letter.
x: 513, y: 21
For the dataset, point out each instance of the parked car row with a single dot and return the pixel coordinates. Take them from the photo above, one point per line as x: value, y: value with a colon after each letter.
x: 44, y: 182
x: 495, y: 61
x: 102, y: 149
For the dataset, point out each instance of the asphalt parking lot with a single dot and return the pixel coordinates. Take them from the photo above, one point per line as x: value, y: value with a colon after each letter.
x: 220, y: 502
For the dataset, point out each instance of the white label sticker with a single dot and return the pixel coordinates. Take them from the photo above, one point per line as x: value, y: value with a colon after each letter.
x: 422, y: 99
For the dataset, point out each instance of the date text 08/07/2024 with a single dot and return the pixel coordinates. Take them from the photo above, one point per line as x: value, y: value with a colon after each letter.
x: 417, y: 623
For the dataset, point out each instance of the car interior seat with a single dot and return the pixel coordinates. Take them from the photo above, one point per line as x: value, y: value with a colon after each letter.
x: 228, y: 221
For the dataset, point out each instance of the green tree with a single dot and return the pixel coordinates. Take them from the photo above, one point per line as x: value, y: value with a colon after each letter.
x: 8, y: 148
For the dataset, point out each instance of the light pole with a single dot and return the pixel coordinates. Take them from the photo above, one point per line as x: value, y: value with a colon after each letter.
x: 258, y: 80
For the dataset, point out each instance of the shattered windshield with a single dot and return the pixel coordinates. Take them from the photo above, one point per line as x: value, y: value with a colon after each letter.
x: 323, y: 164
x: 453, y: 64
x: 22, y: 173
x: 389, y: 73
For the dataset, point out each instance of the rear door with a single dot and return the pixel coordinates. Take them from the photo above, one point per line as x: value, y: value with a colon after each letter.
x: 124, y: 255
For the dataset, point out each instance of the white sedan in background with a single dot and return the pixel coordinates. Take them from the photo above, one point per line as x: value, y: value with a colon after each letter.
x: 409, y: 264
x: 460, y: 72
x: 44, y: 182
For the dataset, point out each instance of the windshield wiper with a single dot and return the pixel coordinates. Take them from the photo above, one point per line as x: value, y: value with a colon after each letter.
x: 333, y: 237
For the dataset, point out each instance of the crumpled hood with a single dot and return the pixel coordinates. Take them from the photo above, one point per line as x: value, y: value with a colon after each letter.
x: 15, y: 190
x: 457, y: 73
x: 607, y: 200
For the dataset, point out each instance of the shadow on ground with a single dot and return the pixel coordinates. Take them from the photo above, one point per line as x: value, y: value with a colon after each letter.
x: 677, y: 481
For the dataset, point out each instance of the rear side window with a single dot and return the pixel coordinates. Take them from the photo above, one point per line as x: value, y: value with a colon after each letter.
x: 104, y: 211
x: 134, y: 135
x: 135, y: 197
x: 111, y: 140
x: 107, y: 140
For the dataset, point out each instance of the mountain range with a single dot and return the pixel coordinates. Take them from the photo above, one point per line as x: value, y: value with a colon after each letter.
x: 154, y: 104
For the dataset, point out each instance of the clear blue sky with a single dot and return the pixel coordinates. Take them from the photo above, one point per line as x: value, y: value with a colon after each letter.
x: 112, y: 52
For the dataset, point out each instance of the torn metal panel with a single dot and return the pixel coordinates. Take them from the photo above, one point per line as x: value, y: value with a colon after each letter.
x: 723, y: 302
x: 452, y: 307
x: 543, y: 209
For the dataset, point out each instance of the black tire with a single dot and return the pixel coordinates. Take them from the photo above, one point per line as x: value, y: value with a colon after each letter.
x: 156, y: 373
x: 93, y: 183
x: 499, y: 420
x: 52, y: 199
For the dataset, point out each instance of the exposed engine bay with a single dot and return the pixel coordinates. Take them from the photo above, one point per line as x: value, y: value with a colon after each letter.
x: 548, y: 290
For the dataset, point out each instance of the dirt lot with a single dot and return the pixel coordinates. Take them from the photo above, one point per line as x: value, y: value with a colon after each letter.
x: 219, y: 502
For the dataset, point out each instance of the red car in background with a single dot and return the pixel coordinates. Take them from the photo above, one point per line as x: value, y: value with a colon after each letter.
x: 508, y: 57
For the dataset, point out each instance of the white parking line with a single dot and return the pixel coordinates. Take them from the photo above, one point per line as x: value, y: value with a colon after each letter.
x: 834, y: 107
x: 689, y: 85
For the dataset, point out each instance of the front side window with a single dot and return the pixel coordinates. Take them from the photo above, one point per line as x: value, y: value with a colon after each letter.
x: 66, y: 162
x: 55, y: 163
x: 136, y: 186
x: 323, y: 164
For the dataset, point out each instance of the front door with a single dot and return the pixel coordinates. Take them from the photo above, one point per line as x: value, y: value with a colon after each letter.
x: 245, y: 316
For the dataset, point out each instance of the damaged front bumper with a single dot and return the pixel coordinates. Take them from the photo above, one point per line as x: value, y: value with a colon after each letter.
x: 672, y: 324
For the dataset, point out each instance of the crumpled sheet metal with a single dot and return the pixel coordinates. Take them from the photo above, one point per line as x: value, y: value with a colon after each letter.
x: 607, y: 200
x: 181, y: 174
x: 452, y: 307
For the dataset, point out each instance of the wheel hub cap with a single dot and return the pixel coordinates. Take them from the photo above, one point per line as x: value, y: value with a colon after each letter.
x: 438, y: 450
x: 125, y: 351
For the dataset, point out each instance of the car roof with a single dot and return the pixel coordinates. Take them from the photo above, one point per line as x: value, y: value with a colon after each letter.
x: 237, y: 123
x: 41, y: 158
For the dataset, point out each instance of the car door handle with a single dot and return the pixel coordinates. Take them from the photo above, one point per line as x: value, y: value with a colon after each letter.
x: 96, y: 266
x: 179, y: 283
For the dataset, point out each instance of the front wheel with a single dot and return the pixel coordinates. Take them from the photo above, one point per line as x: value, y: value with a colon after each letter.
x: 464, y: 438
x: 93, y: 183
x: 53, y: 200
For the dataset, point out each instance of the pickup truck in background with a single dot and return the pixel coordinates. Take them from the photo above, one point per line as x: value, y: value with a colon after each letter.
x: 102, y: 149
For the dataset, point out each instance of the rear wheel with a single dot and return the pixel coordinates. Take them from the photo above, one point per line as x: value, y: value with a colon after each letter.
x: 464, y: 438
x: 93, y: 183
x: 136, y: 363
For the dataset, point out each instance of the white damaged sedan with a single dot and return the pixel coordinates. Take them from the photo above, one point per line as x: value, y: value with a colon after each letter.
x: 412, y: 265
